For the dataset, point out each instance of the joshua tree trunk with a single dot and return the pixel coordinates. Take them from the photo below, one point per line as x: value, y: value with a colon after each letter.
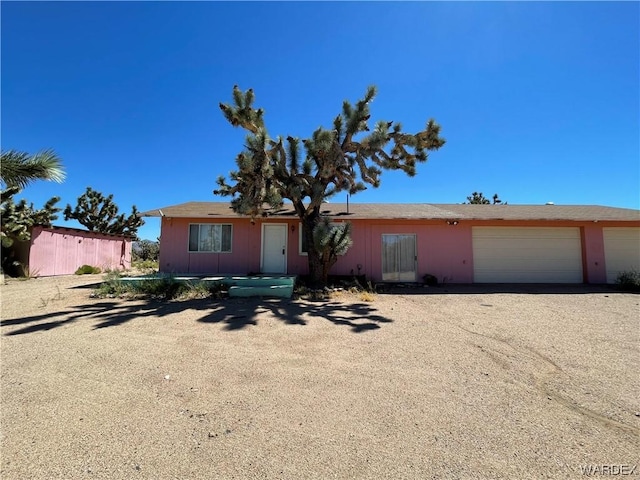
x: 316, y: 274
x: 320, y: 258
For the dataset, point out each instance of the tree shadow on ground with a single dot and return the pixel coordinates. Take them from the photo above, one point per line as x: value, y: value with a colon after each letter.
x: 232, y: 313
x: 237, y: 314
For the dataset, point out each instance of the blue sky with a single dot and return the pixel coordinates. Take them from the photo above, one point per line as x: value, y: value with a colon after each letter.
x: 538, y: 101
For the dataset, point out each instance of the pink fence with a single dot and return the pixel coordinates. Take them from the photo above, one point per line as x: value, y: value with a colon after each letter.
x: 60, y: 251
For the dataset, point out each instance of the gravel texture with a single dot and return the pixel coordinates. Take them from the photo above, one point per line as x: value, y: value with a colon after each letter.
x: 457, y: 382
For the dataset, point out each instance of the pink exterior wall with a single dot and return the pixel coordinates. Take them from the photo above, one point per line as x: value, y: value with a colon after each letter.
x: 443, y: 250
x: 176, y: 258
x: 60, y: 251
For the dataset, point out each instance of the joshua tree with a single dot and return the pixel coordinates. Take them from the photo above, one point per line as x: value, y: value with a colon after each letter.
x: 271, y: 170
x: 479, y: 199
x: 100, y: 214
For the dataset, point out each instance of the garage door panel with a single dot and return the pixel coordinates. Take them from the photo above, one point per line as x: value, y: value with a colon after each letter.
x: 621, y: 250
x: 540, y: 249
x: 521, y: 276
x: 527, y: 255
x: 526, y: 233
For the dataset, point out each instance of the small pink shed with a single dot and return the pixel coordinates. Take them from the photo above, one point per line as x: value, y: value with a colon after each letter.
x: 61, y: 250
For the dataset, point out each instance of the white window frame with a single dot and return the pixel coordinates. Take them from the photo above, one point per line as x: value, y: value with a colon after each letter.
x: 199, y: 225
x: 300, y: 236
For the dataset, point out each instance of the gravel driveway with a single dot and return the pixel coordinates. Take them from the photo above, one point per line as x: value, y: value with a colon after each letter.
x: 458, y: 382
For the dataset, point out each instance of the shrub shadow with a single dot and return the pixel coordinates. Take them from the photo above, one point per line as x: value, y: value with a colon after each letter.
x: 237, y: 314
x: 233, y: 313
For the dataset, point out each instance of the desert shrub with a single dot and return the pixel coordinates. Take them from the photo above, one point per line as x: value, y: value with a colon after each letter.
x: 430, y: 280
x: 148, y: 266
x: 629, y: 280
x: 195, y: 290
x: 300, y: 289
x: 24, y: 272
x: 153, y: 286
x: 339, y: 286
x: 367, y: 296
x: 87, y: 270
x: 112, y: 285
x: 165, y: 287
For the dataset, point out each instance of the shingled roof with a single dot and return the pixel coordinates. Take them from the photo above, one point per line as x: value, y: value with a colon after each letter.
x: 423, y: 211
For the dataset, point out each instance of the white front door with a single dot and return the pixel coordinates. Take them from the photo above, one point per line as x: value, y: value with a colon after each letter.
x: 274, y: 248
x: 398, y: 258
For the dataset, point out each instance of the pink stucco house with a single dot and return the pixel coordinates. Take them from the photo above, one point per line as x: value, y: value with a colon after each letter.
x: 457, y: 243
x: 60, y: 251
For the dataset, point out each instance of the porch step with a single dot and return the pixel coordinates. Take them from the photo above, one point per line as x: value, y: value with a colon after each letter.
x: 262, y: 281
x: 282, y: 291
x: 254, y: 286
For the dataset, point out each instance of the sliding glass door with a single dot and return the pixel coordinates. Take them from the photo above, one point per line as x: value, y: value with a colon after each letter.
x: 399, y: 258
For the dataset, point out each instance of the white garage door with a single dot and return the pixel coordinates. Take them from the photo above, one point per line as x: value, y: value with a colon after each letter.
x: 621, y: 250
x: 527, y: 255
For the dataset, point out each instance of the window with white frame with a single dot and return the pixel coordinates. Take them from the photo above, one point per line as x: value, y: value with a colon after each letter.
x: 208, y: 237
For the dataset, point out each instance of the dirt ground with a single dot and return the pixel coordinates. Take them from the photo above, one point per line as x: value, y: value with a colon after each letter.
x: 453, y: 383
